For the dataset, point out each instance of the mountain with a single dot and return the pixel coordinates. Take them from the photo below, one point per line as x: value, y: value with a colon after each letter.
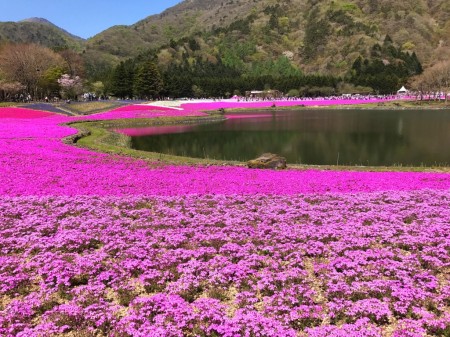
x: 312, y: 36
x: 40, y: 31
x: 323, y: 36
x: 48, y: 23
x: 182, y: 20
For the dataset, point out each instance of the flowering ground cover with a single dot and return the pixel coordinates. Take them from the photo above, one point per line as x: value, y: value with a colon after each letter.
x: 303, y: 103
x: 94, y: 244
x: 236, y: 104
x: 144, y: 111
x: 364, y: 264
x: 34, y: 161
x: 16, y: 113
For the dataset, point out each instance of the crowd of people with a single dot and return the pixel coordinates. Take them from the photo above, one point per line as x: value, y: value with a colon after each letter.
x: 319, y: 98
x: 89, y: 97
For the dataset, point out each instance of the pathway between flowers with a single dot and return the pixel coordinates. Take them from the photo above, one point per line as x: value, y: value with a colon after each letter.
x: 101, y: 245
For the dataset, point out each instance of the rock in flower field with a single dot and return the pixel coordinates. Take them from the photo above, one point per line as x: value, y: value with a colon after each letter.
x: 99, y: 245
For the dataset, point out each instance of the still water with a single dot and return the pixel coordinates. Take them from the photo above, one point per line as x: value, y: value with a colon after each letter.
x: 315, y: 137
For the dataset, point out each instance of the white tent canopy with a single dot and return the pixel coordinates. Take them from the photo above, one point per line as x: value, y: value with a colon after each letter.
x: 402, y: 90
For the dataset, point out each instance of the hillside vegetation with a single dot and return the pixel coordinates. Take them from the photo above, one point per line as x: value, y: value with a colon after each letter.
x: 323, y: 36
x: 39, y: 31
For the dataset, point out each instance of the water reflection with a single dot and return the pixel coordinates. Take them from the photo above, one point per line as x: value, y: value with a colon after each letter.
x: 400, y: 126
x: 323, y: 137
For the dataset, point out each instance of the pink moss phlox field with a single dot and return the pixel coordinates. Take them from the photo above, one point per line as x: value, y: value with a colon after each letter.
x: 93, y: 244
x: 22, y: 113
x: 143, y: 111
x: 213, y: 265
x: 234, y: 104
x: 34, y: 161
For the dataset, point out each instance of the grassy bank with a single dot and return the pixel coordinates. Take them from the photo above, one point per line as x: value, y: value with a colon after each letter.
x: 7, y: 104
x: 100, y: 136
x: 89, y: 108
x: 395, y: 105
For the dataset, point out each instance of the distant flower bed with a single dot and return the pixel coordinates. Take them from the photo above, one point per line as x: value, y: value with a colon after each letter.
x: 143, y: 111
x: 325, y: 264
x: 34, y: 161
x: 235, y: 104
x: 12, y: 112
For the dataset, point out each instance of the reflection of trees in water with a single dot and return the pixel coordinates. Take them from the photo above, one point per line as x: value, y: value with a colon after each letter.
x: 368, y: 139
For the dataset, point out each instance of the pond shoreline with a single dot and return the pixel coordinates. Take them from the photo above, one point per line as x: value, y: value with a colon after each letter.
x: 368, y: 106
x: 113, y: 142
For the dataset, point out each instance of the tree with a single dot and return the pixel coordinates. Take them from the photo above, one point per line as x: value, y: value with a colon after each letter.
x: 358, y: 65
x: 148, y: 82
x: 273, y: 21
x: 122, y: 80
x: 49, y: 81
x: 98, y: 88
x: 71, y: 86
x: 9, y: 90
x: 177, y: 83
x: 435, y: 81
x: 197, y: 91
x: 193, y: 44
x: 283, y: 24
x: 416, y: 63
x: 27, y: 64
x: 73, y: 63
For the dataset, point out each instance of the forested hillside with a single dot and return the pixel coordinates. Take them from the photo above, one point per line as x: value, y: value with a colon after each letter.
x: 39, y: 31
x: 315, y: 35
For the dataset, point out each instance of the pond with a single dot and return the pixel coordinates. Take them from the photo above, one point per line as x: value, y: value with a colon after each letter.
x: 314, y: 137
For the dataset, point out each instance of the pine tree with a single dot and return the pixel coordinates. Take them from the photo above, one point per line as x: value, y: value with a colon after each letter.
x: 122, y: 80
x: 418, y: 65
x: 147, y: 82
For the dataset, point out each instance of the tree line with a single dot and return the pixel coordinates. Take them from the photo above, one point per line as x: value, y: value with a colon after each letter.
x: 203, y: 79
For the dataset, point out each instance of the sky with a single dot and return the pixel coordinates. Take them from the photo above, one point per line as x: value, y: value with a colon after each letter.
x: 83, y: 18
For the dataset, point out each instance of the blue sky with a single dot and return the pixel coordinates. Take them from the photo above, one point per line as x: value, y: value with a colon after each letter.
x: 84, y: 18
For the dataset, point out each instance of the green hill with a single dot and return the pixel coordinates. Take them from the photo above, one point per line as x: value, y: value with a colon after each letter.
x: 262, y: 36
x: 323, y: 36
x: 40, y: 31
